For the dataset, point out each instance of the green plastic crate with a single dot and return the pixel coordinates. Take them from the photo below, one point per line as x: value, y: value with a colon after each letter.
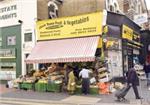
x: 27, y: 86
x: 78, y: 90
x: 52, y: 87
x: 40, y: 87
x: 94, y: 90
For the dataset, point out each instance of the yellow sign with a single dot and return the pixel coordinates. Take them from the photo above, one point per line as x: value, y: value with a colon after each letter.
x: 127, y: 32
x: 100, y: 43
x: 68, y: 27
x: 105, y: 30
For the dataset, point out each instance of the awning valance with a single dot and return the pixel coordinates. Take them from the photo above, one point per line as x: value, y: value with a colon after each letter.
x: 65, y: 50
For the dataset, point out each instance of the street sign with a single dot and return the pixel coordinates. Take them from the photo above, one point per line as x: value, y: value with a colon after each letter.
x: 140, y: 19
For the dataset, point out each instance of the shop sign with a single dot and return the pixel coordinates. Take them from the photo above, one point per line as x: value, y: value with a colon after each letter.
x: 7, y: 53
x: 136, y: 37
x: 127, y: 32
x: 140, y: 19
x: 69, y: 27
x: 8, y: 12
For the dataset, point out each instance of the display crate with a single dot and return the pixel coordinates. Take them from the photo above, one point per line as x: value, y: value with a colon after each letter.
x: 78, y: 90
x: 40, y: 87
x: 26, y: 86
x: 94, y: 90
x: 53, y: 87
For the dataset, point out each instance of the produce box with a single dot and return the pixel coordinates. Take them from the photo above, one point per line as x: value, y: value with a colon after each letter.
x: 94, y: 90
x: 53, y: 87
x: 78, y: 90
x: 41, y: 87
x: 26, y: 86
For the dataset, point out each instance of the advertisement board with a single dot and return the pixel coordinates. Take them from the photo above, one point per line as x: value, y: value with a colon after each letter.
x: 69, y: 27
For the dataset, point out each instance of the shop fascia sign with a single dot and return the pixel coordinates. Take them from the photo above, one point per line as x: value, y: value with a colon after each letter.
x: 130, y: 34
x: 7, y: 53
x: 70, y: 27
x: 8, y: 12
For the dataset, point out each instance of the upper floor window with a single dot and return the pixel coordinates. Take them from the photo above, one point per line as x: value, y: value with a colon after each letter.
x: 111, y: 8
x: 11, y: 40
x: 28, y: 37
x: 52, y: 9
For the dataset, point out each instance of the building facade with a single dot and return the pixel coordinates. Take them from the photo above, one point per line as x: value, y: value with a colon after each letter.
x: 63, y: 8
x: 16, y: 36
x: 21, y: 20
x: 137, y: 11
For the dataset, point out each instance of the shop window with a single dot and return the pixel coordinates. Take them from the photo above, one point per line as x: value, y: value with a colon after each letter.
x: 111, y: 8
x: 29, y: 67
x: 11, y: 40
x: 28, y: 37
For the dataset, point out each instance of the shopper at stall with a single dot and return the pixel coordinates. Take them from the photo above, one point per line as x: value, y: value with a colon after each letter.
x: 147, y: 72
x: 71, y: 81
x: 84, y: 73
x: 133, y: 80
x: 66, y: 73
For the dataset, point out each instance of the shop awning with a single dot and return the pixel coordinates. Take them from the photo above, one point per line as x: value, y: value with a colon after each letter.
x: 65, y: 50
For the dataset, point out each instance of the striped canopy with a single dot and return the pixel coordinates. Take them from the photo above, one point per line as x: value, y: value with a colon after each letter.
x: 64, y: 50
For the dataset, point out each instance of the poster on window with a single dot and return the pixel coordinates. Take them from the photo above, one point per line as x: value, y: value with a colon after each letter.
x: 11, y: 40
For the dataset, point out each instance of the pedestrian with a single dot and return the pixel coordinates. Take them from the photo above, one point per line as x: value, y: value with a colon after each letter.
x: 147, y: 72
x: 133, y: 81
x: 71, y: 81
x: 84, y: 74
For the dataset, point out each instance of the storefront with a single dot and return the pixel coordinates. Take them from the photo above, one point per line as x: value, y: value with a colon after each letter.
x: 10, y: 52
x: 70, y: 40
x: 128, y: 35
x: 16, y: 36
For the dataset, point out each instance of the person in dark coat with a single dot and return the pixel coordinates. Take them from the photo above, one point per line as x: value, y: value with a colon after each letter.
x: 133, y: 80
x: 147, y: 72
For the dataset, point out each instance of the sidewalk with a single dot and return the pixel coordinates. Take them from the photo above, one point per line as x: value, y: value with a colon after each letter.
x: 65, y: 99
x: 3, y: 89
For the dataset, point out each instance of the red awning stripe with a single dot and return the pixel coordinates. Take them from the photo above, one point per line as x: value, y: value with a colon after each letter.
x: 66, y: 50
x: 62, y: 60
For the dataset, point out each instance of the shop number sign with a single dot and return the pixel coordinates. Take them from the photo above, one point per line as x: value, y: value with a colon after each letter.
x: 76, y: 26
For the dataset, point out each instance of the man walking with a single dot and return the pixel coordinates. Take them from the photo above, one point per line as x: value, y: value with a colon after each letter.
x: 84, y: 73
x: 133, y: 81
